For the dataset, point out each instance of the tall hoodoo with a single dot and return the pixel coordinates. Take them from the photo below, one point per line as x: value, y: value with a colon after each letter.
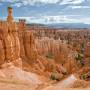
x: 9, y: 41
x: 9, y: 17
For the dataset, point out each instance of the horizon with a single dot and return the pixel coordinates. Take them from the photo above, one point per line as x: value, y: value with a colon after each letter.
x: 48, y: 11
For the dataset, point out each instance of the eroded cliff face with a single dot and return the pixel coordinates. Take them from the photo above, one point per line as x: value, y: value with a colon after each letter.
x: 44, y: 56
x: 57, y: 51
x: 87, y: 54
x: 9, y: 42
x: 27, y: 44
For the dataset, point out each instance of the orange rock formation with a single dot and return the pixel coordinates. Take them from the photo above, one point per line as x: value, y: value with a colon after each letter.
x: 10, y: 46
x: 19, y: 46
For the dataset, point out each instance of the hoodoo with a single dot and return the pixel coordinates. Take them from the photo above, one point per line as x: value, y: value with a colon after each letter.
x: 9, y: 39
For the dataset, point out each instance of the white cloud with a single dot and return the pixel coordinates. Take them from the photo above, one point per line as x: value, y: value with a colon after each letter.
x: 71, y: 1
x: 17, y: 4
x: 81, y: 7
x: 11, y: 1
x: 33, y: 2
x: 85, y: 20
x: 45, y: 1
x: 55, y: 19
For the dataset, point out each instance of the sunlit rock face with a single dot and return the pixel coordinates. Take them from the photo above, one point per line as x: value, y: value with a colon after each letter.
x: 87, y: 54
x: 9, y: 43
x: 27, y: 43
x: 19, y: 46
x: 9, y: 40
x: 2, y: 54
x: 52, y: 49
x: 46, y: 45
x: 86, y: 50
x: 21, y: 30
x: 30, y: 47
x: 57, y: 51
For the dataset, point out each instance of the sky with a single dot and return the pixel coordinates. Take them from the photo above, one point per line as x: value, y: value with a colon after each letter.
x: 48, y: 11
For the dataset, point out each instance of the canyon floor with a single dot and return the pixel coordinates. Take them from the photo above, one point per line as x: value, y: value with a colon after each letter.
x: 13, y: 78
x: 20, y: 85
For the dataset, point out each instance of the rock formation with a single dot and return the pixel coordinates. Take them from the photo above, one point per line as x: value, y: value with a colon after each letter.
x: 45, y: 55
x: 16, y: 42
x: 27, y: 45
x: 9, y: 41
x: 87, y: 54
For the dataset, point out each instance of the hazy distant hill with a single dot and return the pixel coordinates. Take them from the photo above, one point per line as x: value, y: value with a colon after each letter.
x: 61, y: 25
x: 38, y: 25
x: 70, y: 25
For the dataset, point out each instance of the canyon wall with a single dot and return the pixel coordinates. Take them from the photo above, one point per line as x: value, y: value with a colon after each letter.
x: 19, y: 45
x: 9, y: 42
x: 27, y: 43
x: 87, y: 54
x: 59, y: 52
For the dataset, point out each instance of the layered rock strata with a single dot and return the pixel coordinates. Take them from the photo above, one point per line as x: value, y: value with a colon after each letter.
x: 9, y: 40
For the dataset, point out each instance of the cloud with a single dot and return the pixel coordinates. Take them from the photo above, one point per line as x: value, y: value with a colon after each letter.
x: 33, y: 2
x: 45, y: 1
x: 11, y: 1
x: 71, y: 2
x: 56, y: 19
x: 20, y: 3
x: 17, y: 4
x: 85, y: 20
x: 80, y: 7
x: 63, y: 6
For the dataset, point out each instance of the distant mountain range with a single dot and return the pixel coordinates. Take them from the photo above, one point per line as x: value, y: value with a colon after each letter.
x: 69, y: 25
x: 63, y: 25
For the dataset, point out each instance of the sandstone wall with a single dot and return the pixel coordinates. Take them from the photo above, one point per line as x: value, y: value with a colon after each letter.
x: 58, y: 52
x: 18, y: 45
x: 87, y: 54
x: 27, y: 45
x: 9, y: 42
x: 55, y: 47
x: 46, y: 45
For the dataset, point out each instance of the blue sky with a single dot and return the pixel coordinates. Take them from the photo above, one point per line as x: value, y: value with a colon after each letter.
x: 48, y: 11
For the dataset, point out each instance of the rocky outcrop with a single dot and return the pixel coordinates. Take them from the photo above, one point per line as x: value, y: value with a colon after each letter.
x: 2, y: 54
x: 19, y: 46
x: 57, y: 51
x: 27, y: 44
x: 48, y: 45
x: 9, y: 40
x: 30, y: 47
x: 87, y: 54
x: 86, y: 50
